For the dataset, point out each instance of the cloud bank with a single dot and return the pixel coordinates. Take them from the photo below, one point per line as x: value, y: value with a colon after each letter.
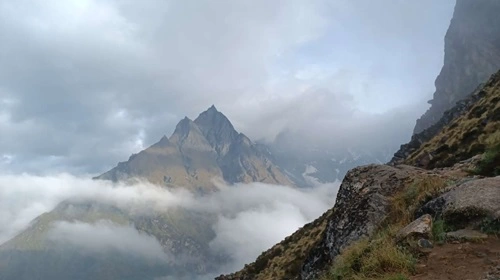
x: 105, y: 236
x: 250, y: 217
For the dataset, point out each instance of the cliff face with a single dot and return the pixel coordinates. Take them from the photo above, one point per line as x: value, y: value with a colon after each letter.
x: 472, y: 54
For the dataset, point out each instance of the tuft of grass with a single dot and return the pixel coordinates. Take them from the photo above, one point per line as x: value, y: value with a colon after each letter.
x: 405, y: 203
x: 378, y: 258
x: 439, y: 231
x: 490, y: 226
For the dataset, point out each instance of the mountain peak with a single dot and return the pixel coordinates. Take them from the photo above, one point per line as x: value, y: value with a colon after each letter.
x: 183, y: 127
x: 216, y: 127
x: 212, y: 108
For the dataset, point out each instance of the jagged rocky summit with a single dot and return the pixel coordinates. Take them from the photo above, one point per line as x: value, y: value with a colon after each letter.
x: 198, y: 152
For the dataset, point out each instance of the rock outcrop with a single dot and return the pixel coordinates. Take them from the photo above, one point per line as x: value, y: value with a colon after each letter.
x: 363, y: 203
x: 471, y: 55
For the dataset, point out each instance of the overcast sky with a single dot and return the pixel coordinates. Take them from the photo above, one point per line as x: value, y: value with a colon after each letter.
x: 85, y: 83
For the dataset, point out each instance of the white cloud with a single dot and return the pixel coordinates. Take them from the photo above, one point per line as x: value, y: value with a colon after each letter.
x: 104, y: 236
x: 256, y: 214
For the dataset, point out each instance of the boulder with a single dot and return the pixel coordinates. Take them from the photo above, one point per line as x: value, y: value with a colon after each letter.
x: 469, y: 204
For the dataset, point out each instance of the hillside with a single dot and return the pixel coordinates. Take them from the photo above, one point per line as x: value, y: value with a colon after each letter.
x: 468, y: 129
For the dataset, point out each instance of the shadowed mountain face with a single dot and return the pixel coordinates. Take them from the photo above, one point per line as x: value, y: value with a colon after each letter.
x: 198, y: 152
x: 472, y: 55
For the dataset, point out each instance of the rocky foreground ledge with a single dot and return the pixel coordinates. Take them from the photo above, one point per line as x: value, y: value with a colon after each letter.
x: 374, y: 197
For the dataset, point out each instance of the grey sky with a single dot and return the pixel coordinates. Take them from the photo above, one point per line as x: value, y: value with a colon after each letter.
x: 85, y: 83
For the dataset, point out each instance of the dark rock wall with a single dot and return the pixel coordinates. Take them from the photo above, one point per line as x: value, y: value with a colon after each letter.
x: 472, y: 54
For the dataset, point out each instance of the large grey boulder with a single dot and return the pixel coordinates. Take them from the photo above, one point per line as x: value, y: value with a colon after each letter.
x: 469, y: 204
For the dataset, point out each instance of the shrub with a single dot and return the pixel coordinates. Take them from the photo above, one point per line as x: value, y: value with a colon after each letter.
x: 489, y: 165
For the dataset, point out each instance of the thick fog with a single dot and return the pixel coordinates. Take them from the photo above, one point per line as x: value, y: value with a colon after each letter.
x: 250, y: 217
x: 83, y: 84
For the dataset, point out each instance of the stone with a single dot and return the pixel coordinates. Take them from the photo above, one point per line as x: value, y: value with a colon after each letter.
x: 425, y: 243
x: 466, y: 235
x: 420, y: 228
x: 469, y: 204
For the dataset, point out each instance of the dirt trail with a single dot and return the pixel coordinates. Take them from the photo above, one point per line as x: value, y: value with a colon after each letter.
x: 463, y: 261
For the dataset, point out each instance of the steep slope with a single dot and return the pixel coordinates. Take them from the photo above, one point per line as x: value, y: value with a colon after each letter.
x: 465, y: 130
x: 472, y: 54
x: 197, y: 153
x: 284, y: 260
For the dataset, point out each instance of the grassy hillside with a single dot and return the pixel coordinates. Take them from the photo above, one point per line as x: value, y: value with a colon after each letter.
x: 473, y: 133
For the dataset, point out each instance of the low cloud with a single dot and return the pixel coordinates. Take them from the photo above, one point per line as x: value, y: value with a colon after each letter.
x: 105, y: 236
x: 250, y: 217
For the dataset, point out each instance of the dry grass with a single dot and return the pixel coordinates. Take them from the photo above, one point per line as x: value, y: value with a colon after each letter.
x: 405, y: 203
x: 466, y: 136
x: 381, y: 257
x: 378, y: 258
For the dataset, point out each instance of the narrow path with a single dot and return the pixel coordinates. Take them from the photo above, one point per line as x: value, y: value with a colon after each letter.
x: 462, y: 261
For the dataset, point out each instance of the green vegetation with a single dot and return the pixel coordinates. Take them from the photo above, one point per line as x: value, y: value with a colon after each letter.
x: 378, y: 258
x: 490, y: 226
x: 439, y: 231
x: 489, y: 165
